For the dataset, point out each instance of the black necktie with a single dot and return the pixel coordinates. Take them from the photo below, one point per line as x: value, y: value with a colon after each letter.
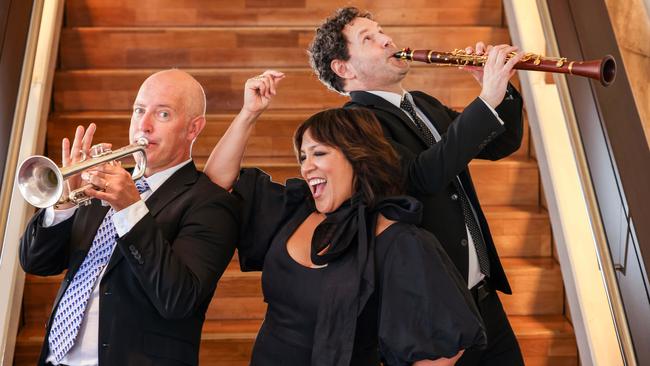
x: 474, y: 230
x: 470, y: 219
x: 424, y: 130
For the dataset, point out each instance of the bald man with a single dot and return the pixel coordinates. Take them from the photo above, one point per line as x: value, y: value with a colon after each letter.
x: 141, y: 269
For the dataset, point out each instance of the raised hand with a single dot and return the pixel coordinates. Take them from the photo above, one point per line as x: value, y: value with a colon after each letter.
x: 224, y: 162
x: 497, y: 71
x: 79, y: 151
x: 259, y: 90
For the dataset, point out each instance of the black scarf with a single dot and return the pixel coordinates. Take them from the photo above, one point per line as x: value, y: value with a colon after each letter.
x: 348, y: 234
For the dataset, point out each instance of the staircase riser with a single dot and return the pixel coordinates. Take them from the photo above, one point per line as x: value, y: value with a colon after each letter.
x: 281, y: 13
x: 116, y: 90
x: 92, y: 48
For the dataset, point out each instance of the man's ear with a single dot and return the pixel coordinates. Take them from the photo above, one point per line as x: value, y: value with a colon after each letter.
x: 342, y: 68
x: 195, y: 127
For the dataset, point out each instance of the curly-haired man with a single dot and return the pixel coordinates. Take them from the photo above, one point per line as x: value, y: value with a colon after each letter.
x: 352, y: 55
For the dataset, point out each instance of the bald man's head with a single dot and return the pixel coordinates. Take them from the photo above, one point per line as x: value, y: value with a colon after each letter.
x: 169, y: 111
x: 188, y: 91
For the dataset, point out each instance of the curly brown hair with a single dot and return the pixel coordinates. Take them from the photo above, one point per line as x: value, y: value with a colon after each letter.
x: 358, y: 135
x: 330, y: 44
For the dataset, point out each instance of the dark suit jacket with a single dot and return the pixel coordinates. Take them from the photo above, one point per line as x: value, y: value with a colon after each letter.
x: 475, y: 133
x: 161, y: 276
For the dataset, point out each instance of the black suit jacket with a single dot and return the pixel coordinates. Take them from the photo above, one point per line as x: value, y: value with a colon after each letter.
x: 475, y: 133
x: 161, y: 276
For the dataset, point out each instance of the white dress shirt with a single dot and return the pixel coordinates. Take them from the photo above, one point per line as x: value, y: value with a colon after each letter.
x: 84, y: 352
x: 474, y: 274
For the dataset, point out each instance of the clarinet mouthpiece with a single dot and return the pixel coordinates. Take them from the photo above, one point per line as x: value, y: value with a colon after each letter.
x: 403, y: 54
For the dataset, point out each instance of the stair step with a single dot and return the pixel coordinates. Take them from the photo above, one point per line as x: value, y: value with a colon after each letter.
x: 282, y: 13
x: 544, y: 340
x: 536, y: 284
x: 199, y: 47
x: 506, y: 182
x: 115, y: 90
x: 519, y: 231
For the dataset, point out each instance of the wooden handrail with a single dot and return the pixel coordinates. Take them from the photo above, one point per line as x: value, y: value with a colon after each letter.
x: 27, y: 138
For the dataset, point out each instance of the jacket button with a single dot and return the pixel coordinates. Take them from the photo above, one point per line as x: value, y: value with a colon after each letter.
x: 131, y: 248
x: 454, y: 197
x: 463, y: 242
x: 104, y: 345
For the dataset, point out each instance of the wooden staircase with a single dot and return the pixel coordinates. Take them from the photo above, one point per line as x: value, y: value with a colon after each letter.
x: 108, y: 48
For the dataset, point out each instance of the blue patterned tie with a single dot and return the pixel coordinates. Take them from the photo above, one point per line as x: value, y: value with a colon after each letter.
x: 72, y: 306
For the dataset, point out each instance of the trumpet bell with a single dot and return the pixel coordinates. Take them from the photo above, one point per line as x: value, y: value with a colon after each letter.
x: 40, y: 181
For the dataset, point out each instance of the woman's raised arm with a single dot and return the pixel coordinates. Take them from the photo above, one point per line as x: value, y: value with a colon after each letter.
x: 224, y: 162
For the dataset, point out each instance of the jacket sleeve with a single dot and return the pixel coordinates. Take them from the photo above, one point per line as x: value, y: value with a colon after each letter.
x: 510, y: 112
x: 430, y: 170
x: 44, y: 251
x: 180, y: 276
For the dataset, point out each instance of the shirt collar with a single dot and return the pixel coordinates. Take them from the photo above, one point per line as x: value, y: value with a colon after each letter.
x: 156, y: 180
x: 393, y: 98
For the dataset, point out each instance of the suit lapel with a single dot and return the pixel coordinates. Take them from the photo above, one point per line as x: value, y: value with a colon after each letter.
x: 371, y: 100
x: 179, y: 182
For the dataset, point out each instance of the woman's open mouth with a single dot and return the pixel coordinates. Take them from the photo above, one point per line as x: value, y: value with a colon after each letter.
x: 317, y: 185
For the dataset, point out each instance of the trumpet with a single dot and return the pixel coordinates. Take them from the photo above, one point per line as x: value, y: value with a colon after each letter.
x: 603, y: 70
x: 41, y: 181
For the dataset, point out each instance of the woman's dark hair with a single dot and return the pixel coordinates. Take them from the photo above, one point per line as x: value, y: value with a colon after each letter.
x: 330, y: 44
x: 358, y: 135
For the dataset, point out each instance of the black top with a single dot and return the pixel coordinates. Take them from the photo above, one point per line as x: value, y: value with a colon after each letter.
x: 396, y: 296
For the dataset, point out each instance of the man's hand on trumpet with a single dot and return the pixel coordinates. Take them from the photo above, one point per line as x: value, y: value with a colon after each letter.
x: 115, y: 184
x: 497, y: 71
x: 80, y: 150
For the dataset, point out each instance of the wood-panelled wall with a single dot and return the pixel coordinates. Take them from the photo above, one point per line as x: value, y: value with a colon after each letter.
x: 631, y: 22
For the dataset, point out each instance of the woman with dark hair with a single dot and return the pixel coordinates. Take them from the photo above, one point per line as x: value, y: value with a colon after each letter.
x: 348, y: 278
